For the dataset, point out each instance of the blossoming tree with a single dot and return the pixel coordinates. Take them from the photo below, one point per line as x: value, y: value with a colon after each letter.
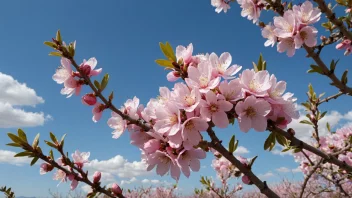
x: 210, y: 91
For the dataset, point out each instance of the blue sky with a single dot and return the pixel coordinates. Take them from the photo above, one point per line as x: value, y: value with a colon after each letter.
x: 124, y: 37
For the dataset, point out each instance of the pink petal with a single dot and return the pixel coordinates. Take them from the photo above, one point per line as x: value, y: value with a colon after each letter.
x: 220, y: 119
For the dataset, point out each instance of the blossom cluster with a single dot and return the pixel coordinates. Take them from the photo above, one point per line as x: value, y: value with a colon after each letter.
x: 337, y: 144
x: 293, y: 29
x: 178, y: 116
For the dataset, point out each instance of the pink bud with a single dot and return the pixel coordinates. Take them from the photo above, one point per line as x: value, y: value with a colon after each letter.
x: 96, y: 177
x: 340, y: 46
x: 89, y: 99
x: 85, y: 69
x: 116, y: 189
x: 246, y: 180
x: 44, y: 168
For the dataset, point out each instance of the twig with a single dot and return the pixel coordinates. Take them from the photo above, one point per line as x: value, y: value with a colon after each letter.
x: 309, y: 176
x: 216, y: 144
x: 330, y: 98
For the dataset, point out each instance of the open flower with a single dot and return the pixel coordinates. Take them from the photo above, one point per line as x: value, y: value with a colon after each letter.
x: 251, y: 114
x: 185, y: 98
x: 191, y: 129
x: 201, y: 77
x: 306, y: 14
x: 117, y: 123
x: 268, y: 33
x: 250, y: 9
x: 98, y: 111
x: 163, y: 163
x: 222, y: 65
x: 232, y: 91
x: 87, y: 67
x: 189, y: 159
x: 80, y: 158
x: 256, y: 83
x: 168, y: 120
x: 286, y: 25
x: 214, y: 109
x: 287, y: 44
x: 221, y: 5
x: 306, y: 35
x: 184, y: 53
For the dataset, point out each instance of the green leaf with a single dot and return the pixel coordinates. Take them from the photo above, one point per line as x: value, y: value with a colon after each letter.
x: 344, y: 78
x: 260, y: 63
x: 35, y: 159
x: 236, y: 145
x: 269, y: 142
x: 36, y: 141
x: 51, y: 154
x: 50, y: 44
x: 281, y: 139
x: 22, y: 135
x: 305, y: 122
x: 53, y: 137
x: 232, y: 144
x: 328, y: 127
x: 23, y: 154
x: 55, y: 54
x: 50, y: 144
x: 104, y: 82
x: 333, y: 65
x: 164, y: 63
x: 322, y: 115
x: 168, y: 51
x: 13, y: 144
x: 255, y: 67
x: 58, y: 36
x: 97, y: 84
x: 315, y: 69
x: 310, y: 89
x: 286, y: 149
x: 62, y: 142
x: 15, y: 139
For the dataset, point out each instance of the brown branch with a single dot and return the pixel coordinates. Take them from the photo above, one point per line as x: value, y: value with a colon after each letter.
x: 108, y: 104
x: 337, y: 184
x: 315, y: 167
x: 330, y: 98
x: 216, y: 144
x: 310, y: 161
x: 331, y: 16
x: 300, y: 144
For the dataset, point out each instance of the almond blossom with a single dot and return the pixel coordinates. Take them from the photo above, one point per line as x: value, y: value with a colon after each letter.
x: 306, y: 14
x: 288, y: 45
x: 190, y: 131
x: 184, y: 53
x: 286, y: 25
x: 250, y: 9
x: 251, y: 114
x: 268, y: 33
x: 97, y: 111
x: 221, y: 5
x: 189, y: 159
x: 87, y: 67
x: 201, y: 77
x: 186, y: 98
x: 256, y: 83
x: 163, y: 162
x: 80, y: 158
x: 222, y: 66
x: 214, y: 109
x: 306, y: 35
x: 117, y: 123
x: 168, y: 120
x: 232, y: 91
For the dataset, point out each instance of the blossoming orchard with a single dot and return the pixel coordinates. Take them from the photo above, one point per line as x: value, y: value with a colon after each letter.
x: 176, y: 130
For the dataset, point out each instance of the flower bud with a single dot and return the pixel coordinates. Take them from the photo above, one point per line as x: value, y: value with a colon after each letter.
x: 86, y: 69
x: 323, y: 38
x: 44, y: 168
x: 116, y: 189
x: 96, y: 177
x: 89, y: 99
x: 246, y: 180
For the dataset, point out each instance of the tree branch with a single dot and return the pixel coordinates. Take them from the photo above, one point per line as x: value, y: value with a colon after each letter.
x: 330, y: 98
x: 309, y: 176
x: 216, y: 144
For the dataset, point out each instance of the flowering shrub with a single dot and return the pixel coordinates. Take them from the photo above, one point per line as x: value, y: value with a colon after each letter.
x: 210, y: 91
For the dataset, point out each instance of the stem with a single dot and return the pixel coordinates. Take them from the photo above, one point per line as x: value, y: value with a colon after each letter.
x: 108, y: 104
x: 310, y: 161
x: 330, y: 98
x: 331, y: 16
x: 309, y: 176
x: 300, y: 144
x: 216, y: 144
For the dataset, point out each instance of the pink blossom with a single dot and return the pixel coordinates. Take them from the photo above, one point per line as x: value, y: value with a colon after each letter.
x: 286, y: 44
x: 221, y: 5
x: 346, y: 158
x: 286, y: 25
x: 44, y: 168
x: 276, y: 89
x: 87, y: 67
x: 268, y: 33
x: 251, y: 114
x: 306, y: 35
x: 168, y: 120
x: 89, y: 99
x: 151, y: 146
x: 250, y: 9
x: 64, y: 72
x: 74, y: 182
x: 138, y: 138
x: 189, y: 159
x: 201, y: 77
x: 184, y: 53
x: 97, y: 111
x: 190, y: 131
x: 256, y: 83
x: 116, y: 189
x: 117, y: 123
x: 59, y: 175
x: 96, y: 177
x: 214, y: 109
x: 186, y: 98
x: 163, y: 163
x: 222, y: 65
x: 80, y: 158
x: 131, y: 108
x: 306, y: 14
x: 173, y: 76
x: 345, y: 44
x: 232, y: 91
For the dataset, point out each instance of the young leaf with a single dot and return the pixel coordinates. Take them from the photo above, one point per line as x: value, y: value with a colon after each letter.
x: 232, y: 144
x: 97, y: 84
x: 55, y: 54
x: 51, y: 154
x: 35, y: 141
x: 15, y: 139
x: 281, y: 139
x: 328, y: 127
x: 53, y: 137
x: 104, y: 82
x: 23, y: 154
x: 13, y: 144
x: 58, y: 36
x: 164, y: 63
x: 305, y: 122
x: 269, y: 142
x: 50, y: 144
x: 50, y: 44
x: 22, y: 135
x: 167, y: 51
x: 35, y: 159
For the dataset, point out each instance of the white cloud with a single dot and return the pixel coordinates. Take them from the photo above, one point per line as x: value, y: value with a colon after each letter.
x: 296, y: 170
x: 283, y: 170
x: 266, y: 175
x: 7, y: 157
x: 147, y: 181
x: 241, y: 150
x: 277, y: 151
x: 132, y: 180
x: 14, y: 94
x: 118, y: 166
